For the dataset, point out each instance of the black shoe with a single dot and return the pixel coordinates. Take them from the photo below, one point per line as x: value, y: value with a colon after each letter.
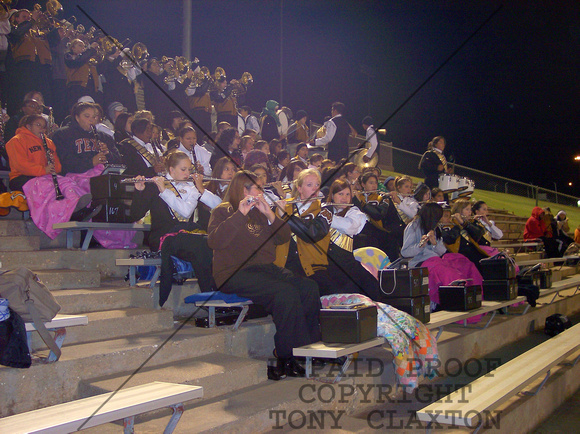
x: 293, y: 369
x: 85, y: 214
x: 276, y: 369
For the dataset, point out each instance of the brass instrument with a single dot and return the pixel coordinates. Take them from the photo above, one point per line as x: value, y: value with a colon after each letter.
x: 359, y: 158
x: 139, y: 52
x: 241, y: 85
x: 199, y: 77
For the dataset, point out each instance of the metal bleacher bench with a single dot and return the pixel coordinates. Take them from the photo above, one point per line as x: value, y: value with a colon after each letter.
x: 470, y: 405
x: 133, y: 263
x: 90, y: 227
x: 334, y: 351
x: 109, y: 407
x: 58, y: 325
x: 211, y: 300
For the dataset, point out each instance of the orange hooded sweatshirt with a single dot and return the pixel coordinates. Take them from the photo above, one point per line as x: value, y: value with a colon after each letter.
x: 27, y: 156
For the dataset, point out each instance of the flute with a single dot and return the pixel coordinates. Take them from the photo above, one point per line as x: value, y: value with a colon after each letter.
x: 50, y: 161
x: 135, y: 180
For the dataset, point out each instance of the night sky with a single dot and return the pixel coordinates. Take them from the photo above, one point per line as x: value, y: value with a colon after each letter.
x: 507, y: 102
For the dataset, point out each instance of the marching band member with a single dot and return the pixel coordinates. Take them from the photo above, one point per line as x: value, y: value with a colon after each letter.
x: 424, y: 244
x: 406, y: 204
x: 463, y: 235
x: 224, y: 171
x: 244, y: 233
x: 337, y: 131
x: 225, y: 102
x: 198, y: 154
x: 200, y: 104
x: 370, y: 137
x: 172, y: 205
x: 139, y: 154
x: 247, y: 121
x: 492, y: 232
x: 348, y: 273
x: 433, y: 162
x: 306, y: 253
x: 298, y: 131
x: 301, y: 153
x: 384, y: 228
x: 79, y: 146
x: 81, y: 76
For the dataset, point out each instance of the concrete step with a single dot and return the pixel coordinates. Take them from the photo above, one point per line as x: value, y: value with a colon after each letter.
x: 75, y: 301
x: 13, y: 228
x: 66, y: 278
x: 217, y: 373
x: 24, y: 390
x: 99, y: 259
x: 114, y: 324
x: 19, y: 243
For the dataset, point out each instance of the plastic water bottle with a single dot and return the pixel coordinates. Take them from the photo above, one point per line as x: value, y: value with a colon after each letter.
x: 4, y: 312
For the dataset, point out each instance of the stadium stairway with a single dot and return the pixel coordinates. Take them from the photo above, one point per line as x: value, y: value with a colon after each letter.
x: 128, y: 342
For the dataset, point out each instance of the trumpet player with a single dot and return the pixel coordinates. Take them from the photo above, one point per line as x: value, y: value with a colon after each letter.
x: 32, y: 58
x: 225, y: 103
x: 199, y: 101
x: 82, y: 78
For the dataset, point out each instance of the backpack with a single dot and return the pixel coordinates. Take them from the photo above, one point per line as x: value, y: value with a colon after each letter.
x: 28, y: 297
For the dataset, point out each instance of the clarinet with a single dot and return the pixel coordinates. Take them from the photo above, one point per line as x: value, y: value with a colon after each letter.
x: 50, y: 160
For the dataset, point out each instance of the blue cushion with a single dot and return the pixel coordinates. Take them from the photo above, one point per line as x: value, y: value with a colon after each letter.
x: 214, y: 295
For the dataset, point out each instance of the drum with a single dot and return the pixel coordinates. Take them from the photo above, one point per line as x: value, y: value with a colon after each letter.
x: 448, y: 182
x: 462, y: 183
x: 469, y: 190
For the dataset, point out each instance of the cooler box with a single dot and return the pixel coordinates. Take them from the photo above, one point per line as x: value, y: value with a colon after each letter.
x: 348, y: 324
x: 113, y: 211
x: 410, y: 282
x: 497, y: 269
x: 500, y: 290
x: 417, y: 307
x: 110, y: 187
x: 460, y: 297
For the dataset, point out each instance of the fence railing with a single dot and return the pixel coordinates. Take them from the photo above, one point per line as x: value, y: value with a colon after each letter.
x: 407, y: 162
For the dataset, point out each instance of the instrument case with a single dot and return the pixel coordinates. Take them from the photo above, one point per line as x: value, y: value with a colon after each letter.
x: 545, y: 279
x: 417, y: 307
x: 110, y: 187
x: 113, y: 211
x: 533, y: 278
x: 409, y: 282
x: 460, y: 297
x: 500, y: 290
x: 497, y: 268
x: 348, y: 324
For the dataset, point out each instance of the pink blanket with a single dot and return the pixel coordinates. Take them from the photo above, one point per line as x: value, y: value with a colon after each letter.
x: 45, y: 210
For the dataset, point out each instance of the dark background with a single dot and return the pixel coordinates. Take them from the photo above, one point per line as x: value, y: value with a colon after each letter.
x: 507, y: 102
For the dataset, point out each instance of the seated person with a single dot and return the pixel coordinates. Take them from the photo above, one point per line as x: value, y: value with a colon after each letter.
x: 139, y: 154
x: 562, y: 228
x: 403, y: 199
x: 172, y: 202
x: 536, y: 229
x: 462, y: 234
x: 244, y: 233
x: 492, y: 232
x: 34, y: 157
x: 423, y: 244
x: 385, y: 227
x: 222, y: 174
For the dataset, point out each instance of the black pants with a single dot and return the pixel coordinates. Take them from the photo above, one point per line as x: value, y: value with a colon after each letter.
x: 191, y: 248
x: 16, y: 184
x: 293, y: 302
